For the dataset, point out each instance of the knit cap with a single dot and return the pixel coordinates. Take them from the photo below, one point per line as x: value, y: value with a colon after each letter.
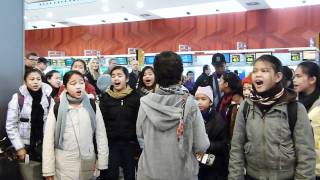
x: 206, y: 91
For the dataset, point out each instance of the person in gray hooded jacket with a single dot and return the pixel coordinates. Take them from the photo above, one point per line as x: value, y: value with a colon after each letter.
x: 170, y: 146
x: 262, y: 141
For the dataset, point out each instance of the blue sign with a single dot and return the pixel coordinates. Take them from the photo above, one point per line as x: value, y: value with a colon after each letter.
x: 122, y: 60
x: 149, y: 59
x: 186, y: 58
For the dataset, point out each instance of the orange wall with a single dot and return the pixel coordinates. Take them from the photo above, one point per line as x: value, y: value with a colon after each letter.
x: 291, y: 27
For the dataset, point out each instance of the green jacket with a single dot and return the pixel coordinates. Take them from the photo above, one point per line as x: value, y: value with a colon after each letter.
x: 263, y: 145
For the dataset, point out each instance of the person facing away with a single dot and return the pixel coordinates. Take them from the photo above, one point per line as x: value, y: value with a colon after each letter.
x: 204, y: 79
x: 146, y: 81
x: 217, y: 133
x: 171, y: 139
x: 27, y: 114
x: 119, y: 106
x: 53, y: 78
x: 30, y: 61
x: 189, y: 83
x: 263, y: 142
x: 80, y: 65
x: 307, y: 85
x: 219, y: 64
x: 134, y: 75
x: 75, y: 141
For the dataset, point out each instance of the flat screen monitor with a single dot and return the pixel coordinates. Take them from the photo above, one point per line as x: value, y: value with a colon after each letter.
x: 122, y: 60
x: 68, y: 62
x: 227, y: 57
x: 295, y: 56
x: 309, y: 55
x: 249, y: 58
x: 235, y: 58
x: 149, y: 59
x: 259, y: 54
x: 186, y: 58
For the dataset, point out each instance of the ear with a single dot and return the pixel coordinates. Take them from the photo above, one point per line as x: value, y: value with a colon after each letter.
x: 279, y: 76
x: 226, y: 84
x: 312, y: 80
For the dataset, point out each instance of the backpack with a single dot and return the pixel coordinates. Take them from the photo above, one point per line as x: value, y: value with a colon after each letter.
x: 292, y: 108
x: 93, y: 105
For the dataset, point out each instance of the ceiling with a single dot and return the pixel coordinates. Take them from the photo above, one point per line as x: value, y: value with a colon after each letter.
x: 41, y: 14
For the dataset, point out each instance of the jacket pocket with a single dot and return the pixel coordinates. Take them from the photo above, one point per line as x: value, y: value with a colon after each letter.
x: 24, y: 129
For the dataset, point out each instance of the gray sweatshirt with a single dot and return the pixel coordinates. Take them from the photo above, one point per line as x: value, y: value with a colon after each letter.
x: 158, y: 119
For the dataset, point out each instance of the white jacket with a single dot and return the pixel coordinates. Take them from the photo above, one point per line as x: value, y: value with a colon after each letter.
x: 19, y: 132
x: 66, y: 162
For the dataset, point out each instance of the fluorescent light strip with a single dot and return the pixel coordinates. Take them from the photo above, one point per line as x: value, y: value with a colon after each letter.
x: 108, y: 18
x: 200, y: 9
x: 291, y: 3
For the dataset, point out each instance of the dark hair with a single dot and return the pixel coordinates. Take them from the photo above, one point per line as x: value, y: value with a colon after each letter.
x: 205, y: 67
x: 140, y: 80
x: 50, y: 74
x: 69, y: 74
x: 312, y: 70
x: 29, y: 71
x: 82, y: 61
x: 234, y: 82
x: 123, y: 69
x: 42, y: 60
x: 168, y: 68
x: 287, y: 77
x: 31, y: 54
x: 189, y: 72
x: 218, y: 59
x: 274, y: 61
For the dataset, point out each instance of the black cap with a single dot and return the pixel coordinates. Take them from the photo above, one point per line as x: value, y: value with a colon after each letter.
x: 42, y: 60
x: 218, y: 59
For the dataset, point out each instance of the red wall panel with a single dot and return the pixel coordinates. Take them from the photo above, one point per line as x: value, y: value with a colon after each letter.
x: 269, y: 28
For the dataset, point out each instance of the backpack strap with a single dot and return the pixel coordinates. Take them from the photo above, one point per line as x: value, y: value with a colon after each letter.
x: 20, y: 100
x: 93, y: 105
x: 245, y: 111
x: 292, y: 109
x: 49, y: 102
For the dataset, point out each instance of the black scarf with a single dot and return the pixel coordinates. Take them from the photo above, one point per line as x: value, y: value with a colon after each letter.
x: 37, y: 111
x: 267, y: 99
x: 54, y: 92
x: 308, y: 100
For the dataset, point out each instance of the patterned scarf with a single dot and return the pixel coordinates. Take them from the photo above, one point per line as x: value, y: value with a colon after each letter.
x: 267, y: 99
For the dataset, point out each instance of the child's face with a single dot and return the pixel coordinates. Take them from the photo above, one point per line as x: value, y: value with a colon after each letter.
x: 78, y: 66
x: 247, y: 89
x: 148, y: 78
x: 203, y: 101
x: 264, y: 76
x: 302, y: 82
x: 33, y: 81
x: 75, y: 86
x: 55, y: 80
x: 119, y: 80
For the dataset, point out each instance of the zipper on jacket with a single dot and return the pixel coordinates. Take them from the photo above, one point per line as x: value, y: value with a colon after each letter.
x: 122, y: 102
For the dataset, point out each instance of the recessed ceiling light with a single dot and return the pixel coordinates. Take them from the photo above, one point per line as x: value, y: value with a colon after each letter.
x: 43, y: 25
x: 140, y: 4
x: 105, y: 8
x: 217, y: 10
x: 34, y: 27
x: 126, y: 19
x: 103, y: 21
x: 110, y: 18
x: 252, y: 3
x: 188, y: 13
x: 53, y: 25
x: 49, y: 14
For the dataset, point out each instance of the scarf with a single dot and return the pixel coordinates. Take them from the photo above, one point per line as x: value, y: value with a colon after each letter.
x: 37, y: 112
x: 145, y: 91
x: 119, y: 94
x: 224, y: 104
x: 267, y: 99
x: 62, y: 115
x: 308, y: 100
x: 54, y: 92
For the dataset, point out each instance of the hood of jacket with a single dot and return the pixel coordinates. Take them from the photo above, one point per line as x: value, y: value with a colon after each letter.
x: 163, y: 111
x: 46, y: 89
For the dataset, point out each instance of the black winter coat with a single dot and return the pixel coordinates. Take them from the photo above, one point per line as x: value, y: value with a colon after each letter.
x: 120, y: 116
x: 217, y: 134
x: 203, y: 80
